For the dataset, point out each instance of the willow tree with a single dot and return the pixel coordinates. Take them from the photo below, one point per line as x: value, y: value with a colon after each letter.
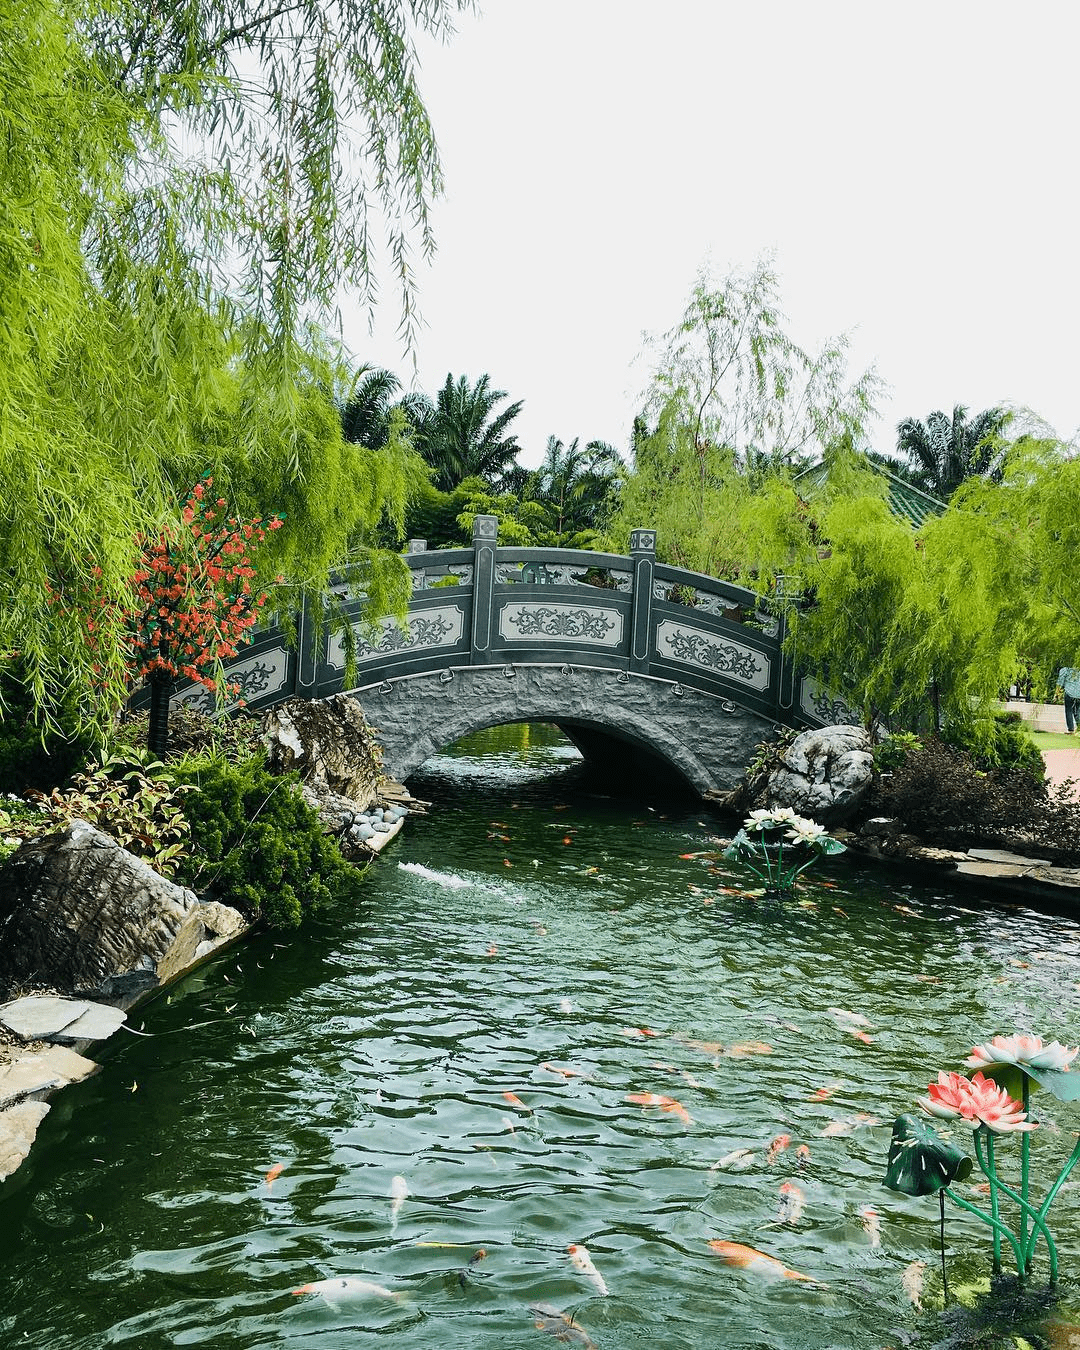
x: 184, y: 191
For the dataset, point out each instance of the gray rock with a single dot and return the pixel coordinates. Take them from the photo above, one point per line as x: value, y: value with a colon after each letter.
x: 83, y: 915
x: 824, y: 774
x: 329, y: 743
x: 18, y: 1126
x: 45, y: 1017
x: 43, y: 1070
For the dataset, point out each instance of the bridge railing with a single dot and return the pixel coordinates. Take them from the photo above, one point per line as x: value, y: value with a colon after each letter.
x: 512, y: 606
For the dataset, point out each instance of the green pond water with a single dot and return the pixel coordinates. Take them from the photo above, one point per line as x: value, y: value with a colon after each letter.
x: 381, y: 1042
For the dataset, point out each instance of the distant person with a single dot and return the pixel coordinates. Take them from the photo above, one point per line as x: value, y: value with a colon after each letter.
x: 1069, y: 679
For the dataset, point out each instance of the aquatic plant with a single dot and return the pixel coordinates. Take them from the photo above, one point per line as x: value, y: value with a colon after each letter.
x: 994, y: 1103
x: 765, y: 854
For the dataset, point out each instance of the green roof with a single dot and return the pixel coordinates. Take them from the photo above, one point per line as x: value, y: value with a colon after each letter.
x: 905, y: 502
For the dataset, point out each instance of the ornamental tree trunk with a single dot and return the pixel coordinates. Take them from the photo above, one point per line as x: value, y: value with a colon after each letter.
x: 157, y: 736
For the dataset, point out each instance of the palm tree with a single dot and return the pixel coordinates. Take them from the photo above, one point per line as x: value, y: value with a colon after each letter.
x: 578, y: 484
x: 461, y: 436
x: 365, y: 418
x: 943, y: 451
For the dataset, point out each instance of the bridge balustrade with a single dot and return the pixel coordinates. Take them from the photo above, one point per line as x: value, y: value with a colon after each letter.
x: 515, y: 606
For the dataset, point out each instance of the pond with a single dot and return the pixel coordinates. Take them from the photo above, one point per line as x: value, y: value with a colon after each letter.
x: 435, y: 1095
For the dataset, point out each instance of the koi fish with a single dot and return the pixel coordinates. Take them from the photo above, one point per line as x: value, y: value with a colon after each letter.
x: 515, y: 1100
x: 824, y: 1093
x: 802, y: 1155
x: 848, y: 1125
x: 558, y: 1324
x: 492, y: 949
x: 565, y: 1005
x: 779, y: 1143
x: 644, y: 1099
x: 471, y: 1264
x: 792, y: 1203
x: 273, y: 1175
x: 637, y: 1031
x: 748, y: 1258
x: 861, y: 1036
x: 566, y: 1073
x: 706, y: 1047
x: 399, y: 1189
x: 871, y: 1222
x: 738, y: 1160
x: 581, y: 1260
x: 842, y: 912
x: 743, y: 1049
x: 567, y: 839
x: 842, y: 1015
x: 913, y: 1279
x: 349, y: 1286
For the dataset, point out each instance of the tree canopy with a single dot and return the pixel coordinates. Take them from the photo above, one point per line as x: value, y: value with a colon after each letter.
x: 944, y: 451
x: 183, y: 190
x: 462, y: 436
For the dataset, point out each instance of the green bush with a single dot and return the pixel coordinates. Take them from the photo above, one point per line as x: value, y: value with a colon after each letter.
x: 999, y: 743
x: 32, y: 756
x: 257, y: 845
x: 892, y: 752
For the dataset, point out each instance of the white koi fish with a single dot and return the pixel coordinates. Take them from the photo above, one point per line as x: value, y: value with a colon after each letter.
x: 738, y: 1160
x: 581, y: 1260
x: 346, y: 1287
x: 871, y: 1222
x: 792, y: 1203
x: 913, y: 1279
x: 399, y: 1189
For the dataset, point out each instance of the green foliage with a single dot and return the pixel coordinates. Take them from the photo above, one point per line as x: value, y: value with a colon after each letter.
x: 578, y: 486
x: 133, y: 799
x: 258, y: 845
x: 944, y: 451
x: 462, y: 436
x: 19, y: 820
x: 183, y: 192
x: 1001, y: 741
x: 890, y: 753
x: 34, y: 754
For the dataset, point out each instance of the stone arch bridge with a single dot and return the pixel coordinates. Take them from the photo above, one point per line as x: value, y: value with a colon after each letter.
x: 652, y: 670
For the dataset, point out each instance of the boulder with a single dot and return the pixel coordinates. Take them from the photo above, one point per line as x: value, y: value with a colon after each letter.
x: 81, y: 915
x: 329, y: 743
x: 824, y: 774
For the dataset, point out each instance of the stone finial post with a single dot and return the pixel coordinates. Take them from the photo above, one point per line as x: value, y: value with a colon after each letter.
x: 485, y: 542
x: 416, y: 546
x: 643, y: 558
x: 419, y: 577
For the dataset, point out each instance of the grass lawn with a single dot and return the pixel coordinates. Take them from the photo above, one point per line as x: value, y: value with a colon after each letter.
x: 1056, y: 740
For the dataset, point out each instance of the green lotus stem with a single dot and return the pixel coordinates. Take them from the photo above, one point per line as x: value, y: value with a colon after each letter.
x: 997, y: 1226
x: 1025, y: 1211
x: 1025, y: 1173
x: 1074, y: 1158
x: 994, y: 1211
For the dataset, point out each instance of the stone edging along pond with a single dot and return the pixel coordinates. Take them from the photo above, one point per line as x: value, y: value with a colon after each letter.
x: 44, y: 1036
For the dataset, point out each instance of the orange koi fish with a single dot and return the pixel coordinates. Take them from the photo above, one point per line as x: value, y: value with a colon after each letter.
x: 474, y: 1260
x: 515, y: 1100
x: 273, y: 1175
x: 792, y: 1203
x: 566, y: 1073
x: 748, y: 1258
x: 492, y: 949
x: 861, y: 1036
x: 644, y: 1099
x: 637, y: 1031
x: 802, y: 1155
x: 824, y: 1093
x: 743, y: 1049
x: 777, y: 1147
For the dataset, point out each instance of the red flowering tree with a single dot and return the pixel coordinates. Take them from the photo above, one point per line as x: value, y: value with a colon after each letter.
x: 196, y: 602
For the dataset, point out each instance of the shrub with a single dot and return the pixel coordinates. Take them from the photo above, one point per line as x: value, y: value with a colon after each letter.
x: 131, y: 798
x: 257, y: 844
x: 998, y: 742
x: 197, y: 734
x: 32, y: 755
x: 890, y: 753
x: 939, y: 793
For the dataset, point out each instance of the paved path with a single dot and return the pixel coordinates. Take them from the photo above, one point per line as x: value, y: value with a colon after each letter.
x: 1062, y: 764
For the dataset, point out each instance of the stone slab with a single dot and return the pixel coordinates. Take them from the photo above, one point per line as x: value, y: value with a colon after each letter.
x: 18, y: 1127
x: 994, y: 869
x: 41, y: 1071
x: 1002, y: 855
x: 46, y: 1017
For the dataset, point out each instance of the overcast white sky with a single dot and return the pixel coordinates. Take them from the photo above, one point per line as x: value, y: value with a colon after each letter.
x: 912, y: 166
